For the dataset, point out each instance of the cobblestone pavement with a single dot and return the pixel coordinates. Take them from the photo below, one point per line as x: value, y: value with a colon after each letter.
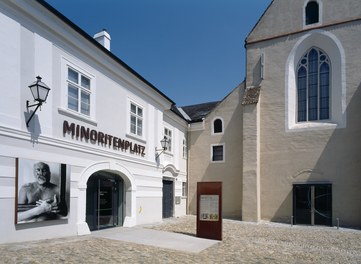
x: 242, y: 243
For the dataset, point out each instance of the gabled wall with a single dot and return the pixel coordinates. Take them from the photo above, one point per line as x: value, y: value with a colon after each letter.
x: 290, y: 17
x: 202, y: 169
x: 311, y: 152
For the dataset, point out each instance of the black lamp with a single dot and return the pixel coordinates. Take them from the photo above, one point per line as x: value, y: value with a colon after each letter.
x: 164, y: 143
x: 40, y: 92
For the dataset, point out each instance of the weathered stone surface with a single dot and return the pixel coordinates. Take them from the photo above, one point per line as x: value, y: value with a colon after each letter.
x: 243, y: 242
x: 251, y: 95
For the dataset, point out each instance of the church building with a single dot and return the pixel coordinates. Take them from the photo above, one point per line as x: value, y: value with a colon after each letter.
x: 87, y: 143
x: 288, y: 149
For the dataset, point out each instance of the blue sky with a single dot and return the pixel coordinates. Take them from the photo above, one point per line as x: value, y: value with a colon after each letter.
x: 191, y: 50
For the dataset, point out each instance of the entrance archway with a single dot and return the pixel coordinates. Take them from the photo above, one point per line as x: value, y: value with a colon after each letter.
x: 104, y: 201
x: 129, y: 187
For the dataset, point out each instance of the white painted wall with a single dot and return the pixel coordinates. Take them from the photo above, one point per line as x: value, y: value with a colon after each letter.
x: 33, y: 42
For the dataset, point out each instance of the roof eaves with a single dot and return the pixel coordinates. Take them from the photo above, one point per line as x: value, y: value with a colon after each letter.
x: 99, y: 46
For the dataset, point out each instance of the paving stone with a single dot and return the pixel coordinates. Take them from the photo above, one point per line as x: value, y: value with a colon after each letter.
x: 243, y: 242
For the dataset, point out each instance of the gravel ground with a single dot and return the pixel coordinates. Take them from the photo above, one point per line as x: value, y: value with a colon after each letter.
x: 243, y: 242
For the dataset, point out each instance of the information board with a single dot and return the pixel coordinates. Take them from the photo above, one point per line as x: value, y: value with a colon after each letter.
x: 209, y: 210
x: 209, y: 207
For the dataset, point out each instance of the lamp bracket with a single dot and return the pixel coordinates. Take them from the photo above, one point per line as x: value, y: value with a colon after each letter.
x: 29, y: 105
x: 33, y: 113
x: 161, y: 151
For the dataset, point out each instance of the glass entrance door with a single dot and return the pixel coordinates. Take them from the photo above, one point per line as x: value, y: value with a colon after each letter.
x: 105, y: 211
x: 312, y: 204
x: 104, y: 201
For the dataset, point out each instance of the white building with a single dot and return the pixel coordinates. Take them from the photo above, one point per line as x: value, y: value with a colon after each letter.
x: 99, y: 130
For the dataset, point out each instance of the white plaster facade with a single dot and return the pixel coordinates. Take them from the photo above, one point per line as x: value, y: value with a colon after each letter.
x: 37, y: 40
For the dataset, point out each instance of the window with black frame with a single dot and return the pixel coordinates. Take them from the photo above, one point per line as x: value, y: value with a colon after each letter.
x: 218, y: 153
x: 313, y: 86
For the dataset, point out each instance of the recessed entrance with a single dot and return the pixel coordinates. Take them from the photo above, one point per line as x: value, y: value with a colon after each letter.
x: 312, y: 204
x: 168, y: 200
x: 104, y: 201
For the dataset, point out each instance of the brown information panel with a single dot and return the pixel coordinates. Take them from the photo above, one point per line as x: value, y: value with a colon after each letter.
x: 209, y: 210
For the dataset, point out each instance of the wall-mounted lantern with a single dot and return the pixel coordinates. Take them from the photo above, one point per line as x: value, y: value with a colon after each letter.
x: 40, y: 92
x: 164, y: 143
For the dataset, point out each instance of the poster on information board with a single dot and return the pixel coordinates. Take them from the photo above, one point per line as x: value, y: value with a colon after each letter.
x: 209, y: 207
x: 209, y: 210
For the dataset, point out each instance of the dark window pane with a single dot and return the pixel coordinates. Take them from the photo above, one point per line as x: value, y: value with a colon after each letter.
x: 72, y: 75
x: 85, y: 104
x: 323, y: 205
x: 217, y: 153
x: 302, y: 94
x: 73, y: 98
x: 312, y: 13
x: 133, y: 109
x: 133, y: 122
x: 85, y: 82
x: 313, y: 85
x: 302, y: 204
x: 217, y: 126
x: 324, y: 91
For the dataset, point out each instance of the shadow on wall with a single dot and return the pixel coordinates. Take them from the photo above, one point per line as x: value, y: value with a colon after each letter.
x: 229, y: 172
x: 338, y: 164
x: 34, y: 126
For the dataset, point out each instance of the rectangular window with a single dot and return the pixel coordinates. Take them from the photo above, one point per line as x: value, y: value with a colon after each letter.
x: 136, y: 120
x: 218, y: 153
x: 79, y: 92
x: 185, y: 148
x: 184, y: 189
x: 168, y: 135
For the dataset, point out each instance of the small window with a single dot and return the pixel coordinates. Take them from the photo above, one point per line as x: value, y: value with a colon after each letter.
x: 184, y: 189
x: 168, y: 136
x: 185, y: 148
x: 217, y: 126
x: 136, y: 120
x: 79, y: 92
x: 218, y: 153
x: 312, y: 13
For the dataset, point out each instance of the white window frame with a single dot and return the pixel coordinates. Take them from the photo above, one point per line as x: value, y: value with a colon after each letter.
x: 138, y: 117
x: 63, y: 109
x: 184, y: 189
x: 80, y: 90
x: 171, y: 138
x: 185, y: 149
x: 217, y: 133
x: 224, y: 153
x: 330, y: 44
x: 320, y: 13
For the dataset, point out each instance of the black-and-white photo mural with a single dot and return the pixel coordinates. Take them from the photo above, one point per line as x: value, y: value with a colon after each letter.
x: 42, y: 191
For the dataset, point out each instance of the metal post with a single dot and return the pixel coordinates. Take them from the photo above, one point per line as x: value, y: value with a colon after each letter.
x: 338, y: 223
x: 291, y: 220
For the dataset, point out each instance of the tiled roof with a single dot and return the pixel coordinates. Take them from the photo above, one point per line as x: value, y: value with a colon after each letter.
x: 199, y: 111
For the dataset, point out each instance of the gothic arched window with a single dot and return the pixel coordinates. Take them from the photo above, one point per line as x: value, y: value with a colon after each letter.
x: 313, y: 86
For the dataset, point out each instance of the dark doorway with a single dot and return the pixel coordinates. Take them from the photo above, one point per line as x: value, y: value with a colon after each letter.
x: 167, y: 199
x: 104, y: 201
x: 312, y: 204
